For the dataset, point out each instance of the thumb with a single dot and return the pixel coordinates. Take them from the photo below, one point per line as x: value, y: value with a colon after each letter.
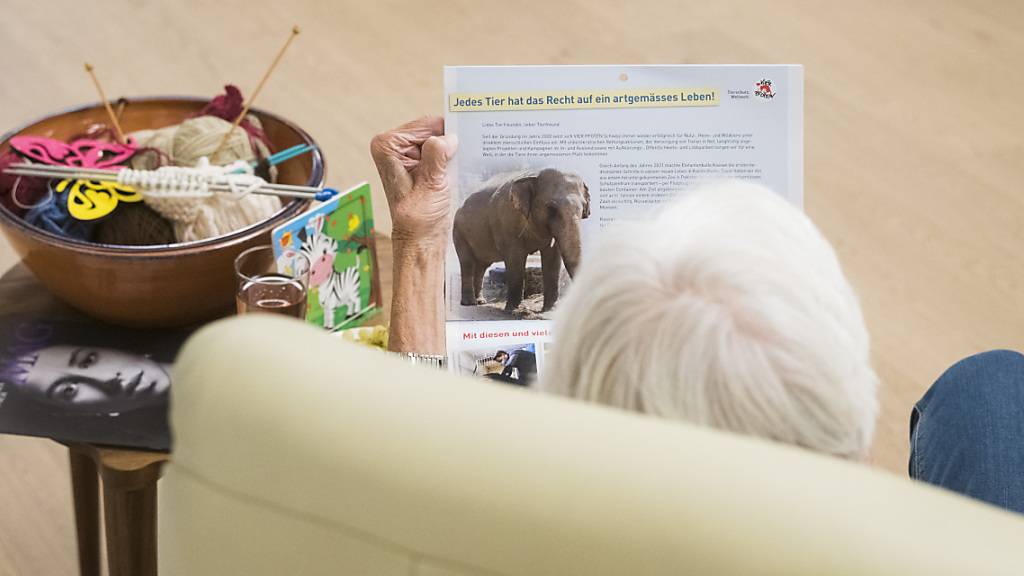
x: 437, y: 151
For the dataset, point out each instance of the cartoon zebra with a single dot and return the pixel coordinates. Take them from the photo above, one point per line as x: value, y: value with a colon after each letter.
x: 336, y: 289
x: 348, y: 289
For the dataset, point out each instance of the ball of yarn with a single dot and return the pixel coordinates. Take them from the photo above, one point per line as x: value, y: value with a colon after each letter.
x: 228, y: 106
x: 19, y: 192
x: 154, y: 148
x: 52, y: 215
x: 218, y: 214
x: 158, y: 147
x: 201, y: 136
x: 134, y: 224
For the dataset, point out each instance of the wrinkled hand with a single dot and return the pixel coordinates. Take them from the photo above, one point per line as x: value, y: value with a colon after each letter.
x: 412, y: 161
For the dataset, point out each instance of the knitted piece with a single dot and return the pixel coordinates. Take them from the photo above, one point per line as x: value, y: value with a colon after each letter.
x: 184, y: 196
x: 204, y: 215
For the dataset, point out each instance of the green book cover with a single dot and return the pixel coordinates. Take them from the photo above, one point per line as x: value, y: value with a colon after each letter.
x: 337, y: 241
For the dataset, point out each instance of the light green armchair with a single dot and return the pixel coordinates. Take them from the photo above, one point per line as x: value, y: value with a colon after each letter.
x: 297, y: 453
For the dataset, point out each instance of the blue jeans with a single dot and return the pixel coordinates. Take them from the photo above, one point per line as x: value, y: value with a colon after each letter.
x: 967, y: 432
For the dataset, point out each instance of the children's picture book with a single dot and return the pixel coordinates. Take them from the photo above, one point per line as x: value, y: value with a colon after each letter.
x: 82, y: 381
x: 549, y: 156
x: 334, y: 245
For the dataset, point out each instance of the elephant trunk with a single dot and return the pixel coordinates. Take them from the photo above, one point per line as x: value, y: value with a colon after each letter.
x: 568, y: 239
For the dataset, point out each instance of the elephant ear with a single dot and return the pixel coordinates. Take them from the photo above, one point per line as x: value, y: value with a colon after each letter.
x: 586, y: 201
x: 521, y: 193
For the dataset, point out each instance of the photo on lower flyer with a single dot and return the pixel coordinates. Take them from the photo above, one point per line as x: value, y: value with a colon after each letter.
x: 509, y: 352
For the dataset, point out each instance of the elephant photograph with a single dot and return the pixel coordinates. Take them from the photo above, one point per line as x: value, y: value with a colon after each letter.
x: 499, y: 231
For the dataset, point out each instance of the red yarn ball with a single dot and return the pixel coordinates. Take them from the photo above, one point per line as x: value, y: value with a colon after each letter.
x: 228, y: 106
x: 28, y: 190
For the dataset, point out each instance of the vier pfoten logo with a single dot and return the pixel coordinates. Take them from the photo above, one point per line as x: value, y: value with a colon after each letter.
x: 764, y: 89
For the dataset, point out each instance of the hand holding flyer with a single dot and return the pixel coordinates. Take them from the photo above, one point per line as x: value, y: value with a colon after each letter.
x: 412, y: 160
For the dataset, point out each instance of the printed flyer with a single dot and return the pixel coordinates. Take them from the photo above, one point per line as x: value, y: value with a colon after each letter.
x: 551, y: 155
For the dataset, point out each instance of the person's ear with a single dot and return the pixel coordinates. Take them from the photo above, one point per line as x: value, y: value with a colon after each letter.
x: 522, y: 193
x: 586, y: 201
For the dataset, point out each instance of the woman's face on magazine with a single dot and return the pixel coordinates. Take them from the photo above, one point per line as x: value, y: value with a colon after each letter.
x: 90, y: 379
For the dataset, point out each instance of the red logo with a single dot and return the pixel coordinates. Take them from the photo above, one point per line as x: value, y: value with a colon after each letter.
x: 764, y: 89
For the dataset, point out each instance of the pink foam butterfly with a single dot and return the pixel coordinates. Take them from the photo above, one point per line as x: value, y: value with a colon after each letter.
x: 88, y: 200
x: 82, y: 153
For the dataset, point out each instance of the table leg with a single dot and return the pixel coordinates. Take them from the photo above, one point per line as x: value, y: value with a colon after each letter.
x: 131, y: 530
x: 85, y: 491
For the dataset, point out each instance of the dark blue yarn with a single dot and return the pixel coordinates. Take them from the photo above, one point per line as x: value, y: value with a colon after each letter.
x: 52, y: 216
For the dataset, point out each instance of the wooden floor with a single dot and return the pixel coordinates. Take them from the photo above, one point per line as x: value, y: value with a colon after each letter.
x: 914, y: 154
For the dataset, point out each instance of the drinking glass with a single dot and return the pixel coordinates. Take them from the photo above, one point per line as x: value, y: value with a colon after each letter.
x: 261, y: 288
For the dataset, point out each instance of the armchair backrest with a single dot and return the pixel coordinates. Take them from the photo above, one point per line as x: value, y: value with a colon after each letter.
x: 298, y: 453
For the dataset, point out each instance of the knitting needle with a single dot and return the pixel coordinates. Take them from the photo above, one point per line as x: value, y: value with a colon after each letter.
x: 265, y: 189
x: 256, y: 92
x: 49, y: 171
x: 56, y: 171
x: 275, y: 159
x: 282, y: 156
x: 287, y: 154
x: 106, y: 104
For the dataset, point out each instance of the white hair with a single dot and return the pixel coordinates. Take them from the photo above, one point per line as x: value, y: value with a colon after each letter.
x: 727, y: 309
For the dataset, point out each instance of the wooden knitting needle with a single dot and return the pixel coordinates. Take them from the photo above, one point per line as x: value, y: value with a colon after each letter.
x: 106, y: 104
x: 256, y: 92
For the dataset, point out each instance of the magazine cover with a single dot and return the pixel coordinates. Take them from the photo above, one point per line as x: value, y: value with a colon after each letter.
x: 337, y: 241
x: 86, y: 382
x: 550, y: 155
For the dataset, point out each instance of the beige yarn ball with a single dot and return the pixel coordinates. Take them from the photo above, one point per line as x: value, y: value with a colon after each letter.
x: 184, y: 145
x: 201, y: 136
x: 160, y: 139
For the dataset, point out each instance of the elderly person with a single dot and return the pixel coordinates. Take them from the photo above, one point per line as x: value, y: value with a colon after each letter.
x: 727, y: 309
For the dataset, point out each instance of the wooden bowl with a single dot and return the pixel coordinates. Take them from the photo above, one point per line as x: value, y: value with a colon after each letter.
x: 164, y: 285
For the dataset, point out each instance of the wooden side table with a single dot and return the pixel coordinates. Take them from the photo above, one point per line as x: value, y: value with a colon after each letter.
x: 128, y: 479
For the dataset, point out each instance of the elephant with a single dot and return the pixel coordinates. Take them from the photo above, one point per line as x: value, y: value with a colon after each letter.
x: 515, y: 218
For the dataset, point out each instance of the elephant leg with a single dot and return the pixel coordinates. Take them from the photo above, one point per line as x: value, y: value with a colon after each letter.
x: 515, y: 273
x: 478, y: 282
x: 551, y: 265
x: 467, y: 268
